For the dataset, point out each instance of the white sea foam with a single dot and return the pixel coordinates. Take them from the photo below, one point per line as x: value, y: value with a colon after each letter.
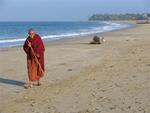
x: 12, y: 40
x: 109, y: 27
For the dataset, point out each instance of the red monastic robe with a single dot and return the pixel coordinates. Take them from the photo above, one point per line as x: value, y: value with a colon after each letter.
x: 34, y: 72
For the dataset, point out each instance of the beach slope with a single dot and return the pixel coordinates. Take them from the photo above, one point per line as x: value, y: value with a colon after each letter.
x: 113, y: 77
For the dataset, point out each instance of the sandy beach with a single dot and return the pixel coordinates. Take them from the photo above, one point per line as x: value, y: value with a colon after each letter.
x: 113, y: 77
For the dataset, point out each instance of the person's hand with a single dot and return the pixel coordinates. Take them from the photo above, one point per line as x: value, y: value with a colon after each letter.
x: 29, y: 44
x: 38, y: 55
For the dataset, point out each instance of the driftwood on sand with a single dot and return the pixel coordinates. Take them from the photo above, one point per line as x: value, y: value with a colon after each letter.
x: 97, y: 40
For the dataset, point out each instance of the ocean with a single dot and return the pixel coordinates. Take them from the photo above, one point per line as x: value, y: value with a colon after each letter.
x: 13, y: 34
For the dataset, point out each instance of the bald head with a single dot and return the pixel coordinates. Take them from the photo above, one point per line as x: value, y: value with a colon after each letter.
x: 31, y: 32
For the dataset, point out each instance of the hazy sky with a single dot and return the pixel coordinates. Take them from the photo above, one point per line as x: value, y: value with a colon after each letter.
x: 56, y: 10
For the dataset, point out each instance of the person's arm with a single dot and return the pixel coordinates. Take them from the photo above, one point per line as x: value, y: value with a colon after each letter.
x: 26, y: 47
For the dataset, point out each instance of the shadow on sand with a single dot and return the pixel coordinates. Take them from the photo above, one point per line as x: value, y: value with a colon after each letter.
x: 12, y: 82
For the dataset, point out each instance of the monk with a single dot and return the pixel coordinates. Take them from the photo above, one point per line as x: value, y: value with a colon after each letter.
x: 34, y: 48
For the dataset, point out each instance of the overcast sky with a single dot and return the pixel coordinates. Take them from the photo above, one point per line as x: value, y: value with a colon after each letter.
x: 63, y: 10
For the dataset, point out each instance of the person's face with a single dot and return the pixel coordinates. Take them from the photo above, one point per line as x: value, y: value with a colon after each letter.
x: 31, y: 34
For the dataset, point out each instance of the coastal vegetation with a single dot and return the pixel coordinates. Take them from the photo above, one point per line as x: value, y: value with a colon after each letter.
x: 127, y: 16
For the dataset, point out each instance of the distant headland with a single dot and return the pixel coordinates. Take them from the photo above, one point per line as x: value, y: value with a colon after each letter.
x: 127, y: 16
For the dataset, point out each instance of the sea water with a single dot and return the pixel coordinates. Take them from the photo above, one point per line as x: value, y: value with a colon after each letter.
x: 14, y: 33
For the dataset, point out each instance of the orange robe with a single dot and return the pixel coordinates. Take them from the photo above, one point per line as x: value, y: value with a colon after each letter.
x: 34, y: 71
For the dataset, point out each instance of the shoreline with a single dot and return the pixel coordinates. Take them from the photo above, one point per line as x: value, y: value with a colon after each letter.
x: 128, y: 24
x: 82, y: 78
x: 132, y: 26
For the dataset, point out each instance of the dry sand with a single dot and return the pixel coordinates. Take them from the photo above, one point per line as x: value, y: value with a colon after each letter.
x: 113, y: 77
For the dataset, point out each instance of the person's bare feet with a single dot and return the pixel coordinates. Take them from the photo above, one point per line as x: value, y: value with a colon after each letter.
x: 28, y: 85
x: 38, y: 83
